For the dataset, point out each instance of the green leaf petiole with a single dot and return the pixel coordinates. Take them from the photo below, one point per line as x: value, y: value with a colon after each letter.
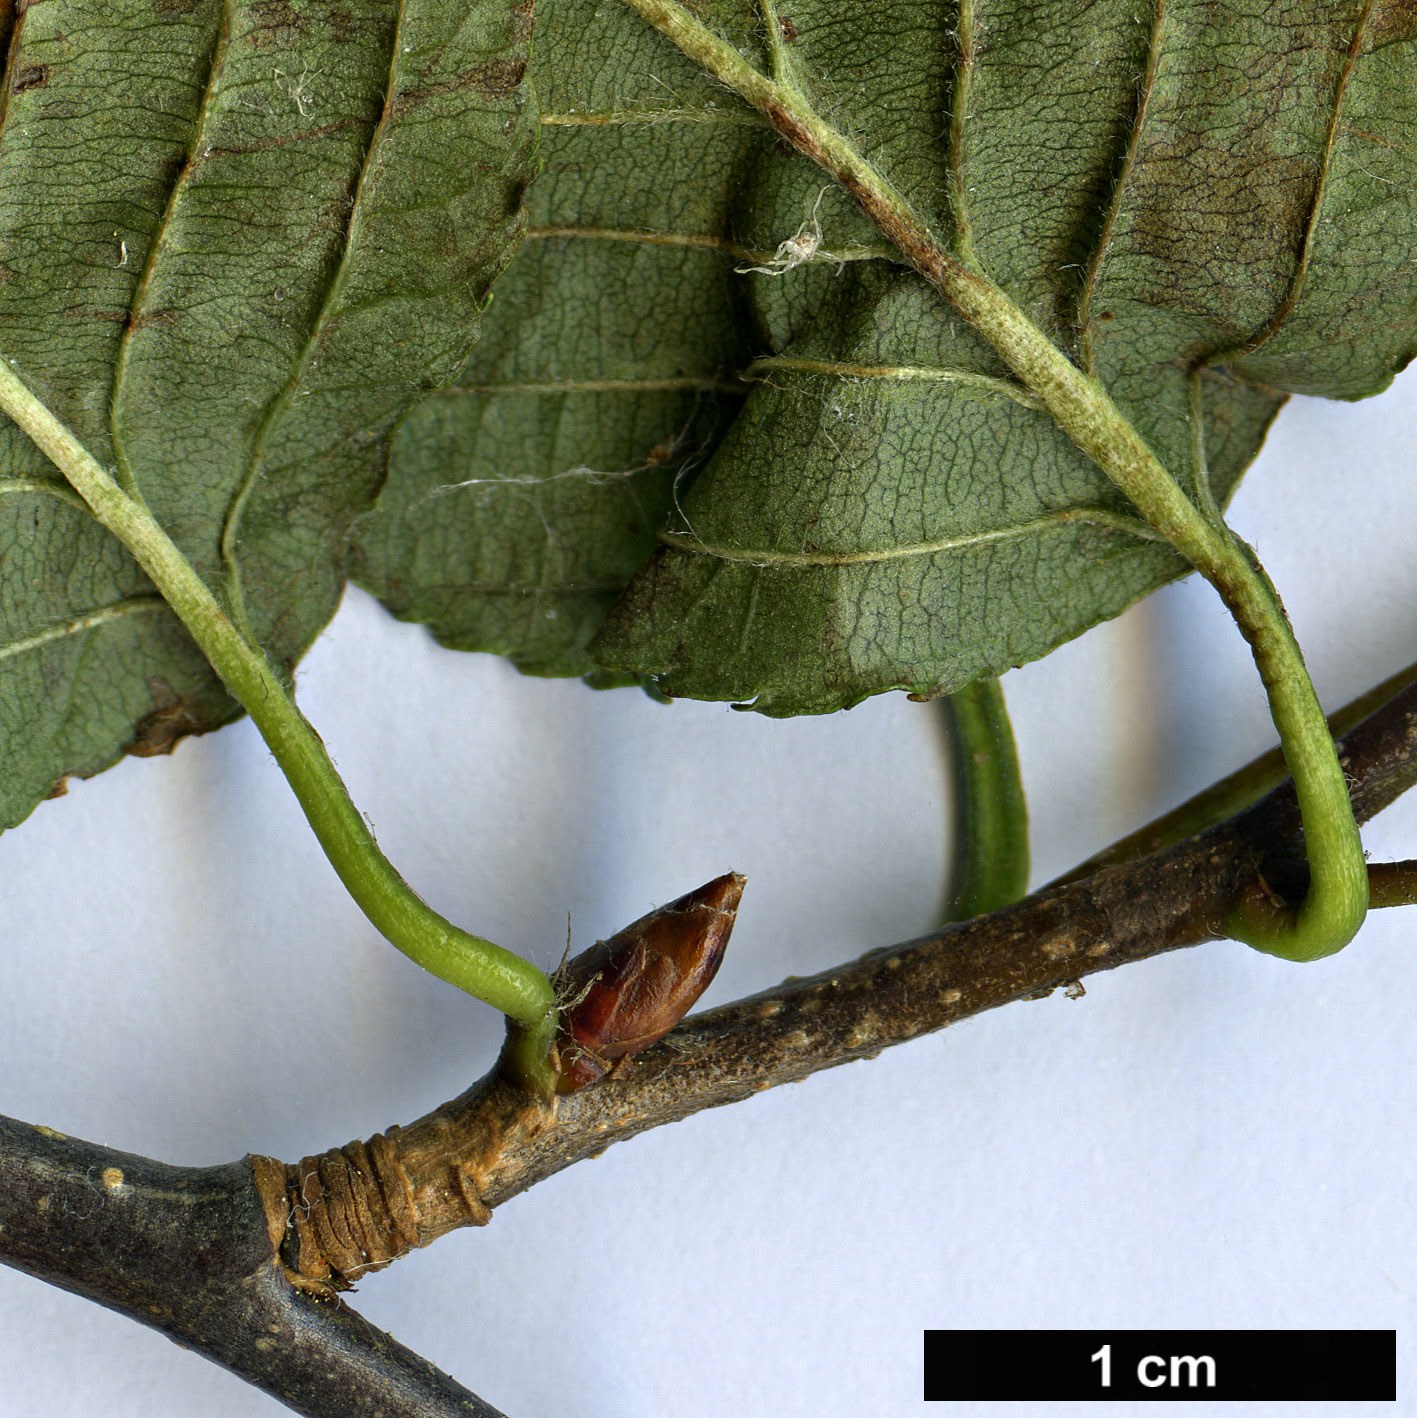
x: 1233, y: 794
x: 990, y: 867
x: 487, y: 971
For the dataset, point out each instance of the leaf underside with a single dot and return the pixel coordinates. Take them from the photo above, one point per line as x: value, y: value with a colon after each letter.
x: 244, y: 249
x: 236, y: 241
x: 829, y: 485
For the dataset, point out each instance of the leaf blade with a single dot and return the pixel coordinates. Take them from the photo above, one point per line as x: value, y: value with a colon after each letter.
x: 1145, y: 358
x: 167, y: 232
x: 521, y: 500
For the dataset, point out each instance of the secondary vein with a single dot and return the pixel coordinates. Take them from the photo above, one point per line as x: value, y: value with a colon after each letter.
x: 681, y: 384
x: 625, y: 117
x: 1285, y: 309
x: 1054, y: 521
x: 125, y: 476
x: 231, y: 527
x: 15, y: 487
x: 959, y: 114
x: 1082, y: 320
x: 703, y: 241
x: 778, y: 57
x: 901, y: 372
x: 132, y: 605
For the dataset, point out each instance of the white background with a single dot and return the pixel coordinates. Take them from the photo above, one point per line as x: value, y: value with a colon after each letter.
x: 1211, y: 1139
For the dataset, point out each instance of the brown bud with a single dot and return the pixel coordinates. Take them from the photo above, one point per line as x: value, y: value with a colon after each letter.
x: 628, y: 992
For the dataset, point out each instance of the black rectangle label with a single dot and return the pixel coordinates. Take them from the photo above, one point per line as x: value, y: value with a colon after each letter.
x: 1182, y: 1365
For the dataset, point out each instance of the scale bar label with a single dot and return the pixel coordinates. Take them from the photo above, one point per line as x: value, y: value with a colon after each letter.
x: 1181, y: 1365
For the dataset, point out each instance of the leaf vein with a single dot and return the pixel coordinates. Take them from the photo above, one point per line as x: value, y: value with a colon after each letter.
x: 624, y: 117
x: 709, y: 242
x: 688, y: 383
x: 61, y: 493
x: 136, y: 316
x: 1103, y: 245
x: 132, y: 605
x: 959, y: 115
x: 1053, y: 521
x: 778, y: 57
x: 1285, y: 309
x: 903, y: 373
x: 231, y: 526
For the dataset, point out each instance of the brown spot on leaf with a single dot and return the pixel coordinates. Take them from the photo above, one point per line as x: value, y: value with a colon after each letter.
x: 494, y: 79
x: 1390, y: 22
x: 150, y: 317
x: 160, y: 731
x: 352, y: 28
x: 32, y: 76
x: 279, y: 140
x: 172, y: 720
x: 59, y: 789
x: 279, y: 18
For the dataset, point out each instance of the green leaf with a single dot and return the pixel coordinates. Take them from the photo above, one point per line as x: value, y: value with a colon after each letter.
x: 1164, y: 189
x: 520, y: 502
x: 236, y: 241
x: 1152, y: 229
